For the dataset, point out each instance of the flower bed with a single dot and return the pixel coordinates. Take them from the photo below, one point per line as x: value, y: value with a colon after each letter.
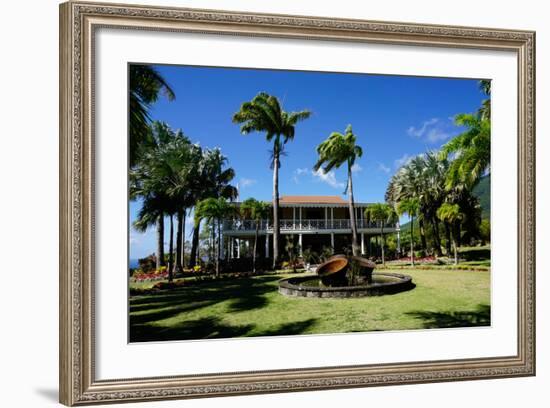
x: 426, y: 260
x: 160, y: 274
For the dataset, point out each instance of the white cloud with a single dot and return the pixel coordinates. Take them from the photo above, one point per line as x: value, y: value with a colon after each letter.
x: 246, y: 182
x: 383, y: 168
x: 298, y: 173
x: 328, y: 178
x: 356, y: 168
x: 433, y: 130
x: 437, y: 135
x: 402, y: 160
x: 419, y: 132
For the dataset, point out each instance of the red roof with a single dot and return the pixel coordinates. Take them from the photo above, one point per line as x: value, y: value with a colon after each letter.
x: 312, y: 200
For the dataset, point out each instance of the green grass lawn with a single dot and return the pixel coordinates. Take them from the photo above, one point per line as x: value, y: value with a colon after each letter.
x: 253, y: 307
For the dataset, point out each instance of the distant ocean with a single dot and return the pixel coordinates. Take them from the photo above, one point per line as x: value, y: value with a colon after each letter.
x: 133, y: 263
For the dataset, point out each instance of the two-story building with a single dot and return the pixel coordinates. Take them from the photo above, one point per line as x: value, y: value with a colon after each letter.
x: 313, y: 221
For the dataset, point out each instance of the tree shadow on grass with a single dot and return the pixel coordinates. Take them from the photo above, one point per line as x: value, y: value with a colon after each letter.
x: 212, y: 328
x: 205, y: 328
x: 243, y: 294
x: 164, y: 311
x: 288, y: 329
x: 251, y: 294
x: 432, y: 320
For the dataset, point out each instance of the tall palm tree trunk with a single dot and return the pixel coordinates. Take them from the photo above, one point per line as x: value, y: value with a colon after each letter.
x: 160, y: 241
x: 183, y: 239
x: 455, y: 236
x: 383, y: 242
x: 171, y: 251
x: 437, y: 238
x: 219, y: 247
x: 276, y: 227
x: 422, y: 234
x: 354, y: 245
x: 195, y: 244
x: 213, y: 241
x: 447, y: 238
x: 255, y: 246
x: 456, y: 239
x: 179, y: 234
x: 412, y: 241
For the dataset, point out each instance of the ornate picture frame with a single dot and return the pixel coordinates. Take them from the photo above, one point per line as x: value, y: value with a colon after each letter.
x: 78, y: 24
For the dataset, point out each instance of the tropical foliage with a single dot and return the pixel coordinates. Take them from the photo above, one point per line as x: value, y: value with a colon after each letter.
x: 257, y: 211
x: 446, y: 179
x: 215, y: 210
x: 472, y: 148
x: 146, y: 84
x: 451, y: 213
x: 409, y: 206
x: 170, y: 177
x: 382, y: 214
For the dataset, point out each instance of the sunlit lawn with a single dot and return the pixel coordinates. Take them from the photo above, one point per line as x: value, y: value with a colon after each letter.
x: 253, y: 307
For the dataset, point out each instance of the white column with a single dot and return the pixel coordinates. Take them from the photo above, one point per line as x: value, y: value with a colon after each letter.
x: 300, y: 217
x: 332, y: 218
x: 326, y: 217
x: 238, y: 248
x: 300, y: 243
x: 332, y: 240
x: 362, y: 244
x: 293, y: 218
x: 267, y: 245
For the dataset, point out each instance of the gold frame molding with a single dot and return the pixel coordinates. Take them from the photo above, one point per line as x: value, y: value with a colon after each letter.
x: 78, y: 22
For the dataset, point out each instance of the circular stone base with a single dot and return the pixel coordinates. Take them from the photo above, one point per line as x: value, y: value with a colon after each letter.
x: 397, y: 283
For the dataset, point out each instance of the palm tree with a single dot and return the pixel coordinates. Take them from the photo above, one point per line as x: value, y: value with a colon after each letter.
x: 382, y: 214
x: 257, y: 211
x: 212, y: 179
x: 336, y: 150
x: 472, y: 147
x: 215, y: 210
x: 264, y: 113
x: 152, y: 213
x: 422, y: 178
x: 485, y: 111
x: 410, y: 207
x: 451, y: 213
x: 147, y: 184
x: 434, y: 174
x: 163, y: 177
x: 145, y: 86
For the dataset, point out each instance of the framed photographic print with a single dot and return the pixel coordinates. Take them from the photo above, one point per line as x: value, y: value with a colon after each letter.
x: 256, y: 203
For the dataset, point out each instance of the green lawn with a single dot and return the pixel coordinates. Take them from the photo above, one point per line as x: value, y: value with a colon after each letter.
x: 253, y: 307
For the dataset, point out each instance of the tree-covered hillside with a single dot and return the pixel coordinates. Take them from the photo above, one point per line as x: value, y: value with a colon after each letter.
x: 483, y: 193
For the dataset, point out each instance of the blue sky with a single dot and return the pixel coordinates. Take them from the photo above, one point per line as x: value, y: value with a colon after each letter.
x: 393, y: 117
